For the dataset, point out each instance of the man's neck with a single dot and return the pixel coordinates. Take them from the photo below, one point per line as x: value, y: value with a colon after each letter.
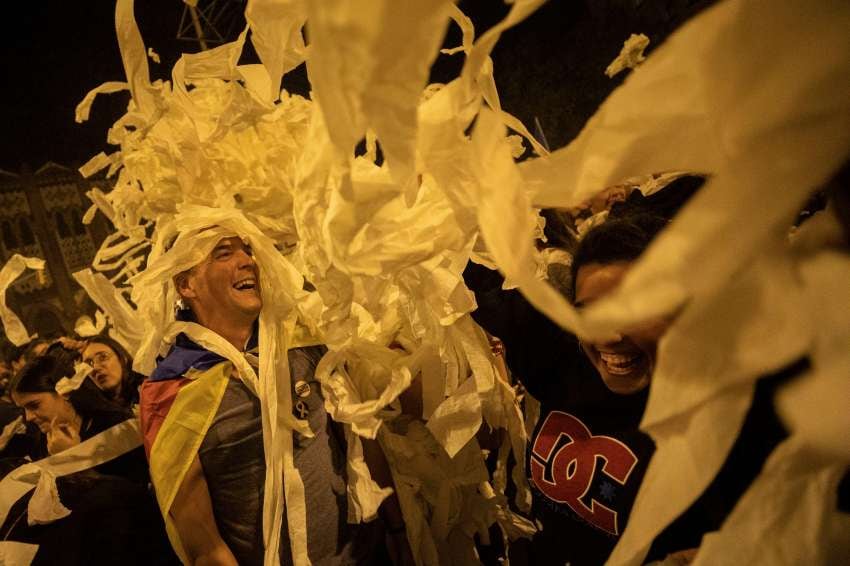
x: 236, y: 332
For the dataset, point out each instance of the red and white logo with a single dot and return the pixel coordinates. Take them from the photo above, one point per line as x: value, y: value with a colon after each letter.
x: 573, y: 466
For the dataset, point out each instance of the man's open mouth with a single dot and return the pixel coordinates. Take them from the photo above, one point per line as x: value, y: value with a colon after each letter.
x: 249, y: 283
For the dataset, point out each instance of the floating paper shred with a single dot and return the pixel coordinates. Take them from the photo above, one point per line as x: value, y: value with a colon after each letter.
x: 85, y: 327
x: 12, y: 325
x: 630, y: 56
x: 68, y: 384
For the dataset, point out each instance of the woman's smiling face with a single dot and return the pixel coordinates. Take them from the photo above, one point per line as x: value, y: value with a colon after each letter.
x: 625, y: 364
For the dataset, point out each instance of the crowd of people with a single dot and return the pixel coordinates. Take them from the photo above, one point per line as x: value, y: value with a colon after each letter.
x: 204, y: 436
x: 337, y: 331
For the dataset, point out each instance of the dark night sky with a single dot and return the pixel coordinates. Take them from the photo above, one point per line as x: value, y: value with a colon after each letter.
x: 55, y: 52
x: 550, y: 66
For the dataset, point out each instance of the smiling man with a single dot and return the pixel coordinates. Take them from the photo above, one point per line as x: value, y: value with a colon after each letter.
x: 223, y: 291
x: 200, y: 420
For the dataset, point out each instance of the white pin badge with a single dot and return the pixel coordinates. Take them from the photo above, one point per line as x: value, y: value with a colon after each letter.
x: 302, y: 389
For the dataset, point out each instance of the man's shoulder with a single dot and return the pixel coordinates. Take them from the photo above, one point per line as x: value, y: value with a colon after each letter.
x: 184, y: 356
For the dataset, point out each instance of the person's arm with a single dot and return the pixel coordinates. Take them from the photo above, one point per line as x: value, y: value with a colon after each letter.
x: 390, y: 510
x: 193, y: 517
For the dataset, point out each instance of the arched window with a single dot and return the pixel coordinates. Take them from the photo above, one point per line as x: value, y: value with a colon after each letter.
x: 27, y: 237
x: 10, y: 240
x: 61, y: 224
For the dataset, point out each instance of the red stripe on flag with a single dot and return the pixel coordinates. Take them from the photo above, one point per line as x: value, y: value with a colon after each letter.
x: 155, y: 400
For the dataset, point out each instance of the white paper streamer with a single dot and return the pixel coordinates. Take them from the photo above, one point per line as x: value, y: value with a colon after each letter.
x: 45, y: 505
x: 384, y: 246
x: 12, y: 325
x: 87, y: 328
x: 68, y: 384
x: 17, y: 553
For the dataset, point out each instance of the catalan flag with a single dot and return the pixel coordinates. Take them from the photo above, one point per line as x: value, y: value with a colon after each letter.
x: 177, y: 406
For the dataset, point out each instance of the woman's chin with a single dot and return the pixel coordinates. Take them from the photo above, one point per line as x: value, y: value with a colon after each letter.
x: 628, y: 384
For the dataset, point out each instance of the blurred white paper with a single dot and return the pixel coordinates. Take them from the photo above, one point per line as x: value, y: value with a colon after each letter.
x: 17, y: 553
x: 12, y: 325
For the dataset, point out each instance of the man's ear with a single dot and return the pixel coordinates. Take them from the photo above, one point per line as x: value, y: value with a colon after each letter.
x: 184, y: 285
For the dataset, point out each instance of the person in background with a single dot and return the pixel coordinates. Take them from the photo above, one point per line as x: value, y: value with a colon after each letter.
x: 112, y: 369
x: 22, y: 354
x: 65, y: 420
x: 114, y: 517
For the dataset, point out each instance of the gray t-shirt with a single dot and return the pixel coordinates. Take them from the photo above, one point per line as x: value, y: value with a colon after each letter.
x: 232, y: 457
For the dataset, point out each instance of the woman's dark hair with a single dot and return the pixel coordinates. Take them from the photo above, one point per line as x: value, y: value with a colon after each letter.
x: 41, y: 374
x: 130, y: 380
x: 559, y: 229
x: 665, y: 202
x: 618, y: 239
x: 27, y: 351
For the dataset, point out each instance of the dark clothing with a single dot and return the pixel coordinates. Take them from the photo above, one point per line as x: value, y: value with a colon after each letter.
x: 132, y: 466
x: 114, y: 517
x: 112, y: 521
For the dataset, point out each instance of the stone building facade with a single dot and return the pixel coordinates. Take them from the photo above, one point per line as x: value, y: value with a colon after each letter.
x: 41, y: 216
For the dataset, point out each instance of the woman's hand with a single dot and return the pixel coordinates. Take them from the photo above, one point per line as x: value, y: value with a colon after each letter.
x: 61, y: 436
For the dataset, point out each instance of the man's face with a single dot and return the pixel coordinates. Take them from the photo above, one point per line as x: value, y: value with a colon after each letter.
x: 225, y: 287
x: 625, y: 364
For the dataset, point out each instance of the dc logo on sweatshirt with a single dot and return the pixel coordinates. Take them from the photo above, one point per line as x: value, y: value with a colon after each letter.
x: 573, y: 465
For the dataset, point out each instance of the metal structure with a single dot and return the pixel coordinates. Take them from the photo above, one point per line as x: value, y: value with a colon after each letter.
x: 211, y: 22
